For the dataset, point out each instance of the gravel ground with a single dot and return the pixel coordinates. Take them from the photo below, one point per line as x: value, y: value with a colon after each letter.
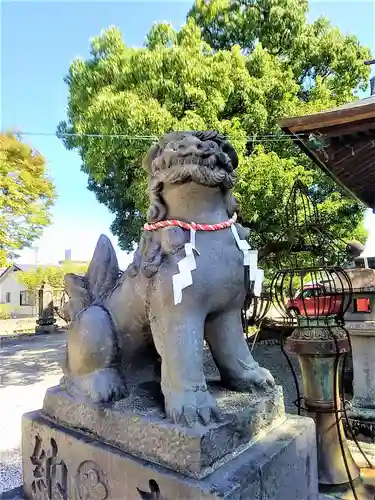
x: 10, y: 469
x: 29, y: 366
x: 270, y: 356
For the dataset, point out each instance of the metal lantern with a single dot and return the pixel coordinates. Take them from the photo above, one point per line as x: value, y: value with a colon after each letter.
x: 316, y: 300
x: 312, y: 291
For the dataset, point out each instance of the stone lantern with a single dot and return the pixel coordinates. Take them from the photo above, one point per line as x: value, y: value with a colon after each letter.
x: 360, y: 323
x: 46, y: 322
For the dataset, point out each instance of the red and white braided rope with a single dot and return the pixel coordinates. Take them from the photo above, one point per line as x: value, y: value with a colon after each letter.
x: 190, y: 225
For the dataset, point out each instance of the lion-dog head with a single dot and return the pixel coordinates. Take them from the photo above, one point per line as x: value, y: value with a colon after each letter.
x: 201, y: 157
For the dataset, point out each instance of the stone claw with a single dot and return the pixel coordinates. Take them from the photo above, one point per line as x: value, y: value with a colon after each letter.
x: 204, y: 415
x: 262, y: 377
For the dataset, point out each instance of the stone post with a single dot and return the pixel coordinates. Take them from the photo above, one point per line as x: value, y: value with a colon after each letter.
x: 362, y: 412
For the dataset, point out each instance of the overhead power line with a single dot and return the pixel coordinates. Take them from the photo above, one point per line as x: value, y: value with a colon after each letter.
x: 255, y: 138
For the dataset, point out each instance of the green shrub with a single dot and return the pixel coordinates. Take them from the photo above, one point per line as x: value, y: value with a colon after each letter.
x: 5, y: 311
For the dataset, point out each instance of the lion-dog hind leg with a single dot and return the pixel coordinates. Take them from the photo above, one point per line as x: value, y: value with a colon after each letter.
x: 238, y: 369
x: 178, y: 337
x: 91, y: 369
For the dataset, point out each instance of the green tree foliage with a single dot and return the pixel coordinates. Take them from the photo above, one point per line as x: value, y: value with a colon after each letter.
x: 26, y: 195
x: 52, y: 276
x: 314, y: 52
x: 5, y: 311
x: 235, y: 66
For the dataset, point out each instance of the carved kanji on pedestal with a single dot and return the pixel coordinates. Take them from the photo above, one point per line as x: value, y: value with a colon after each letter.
x: 50, y: 473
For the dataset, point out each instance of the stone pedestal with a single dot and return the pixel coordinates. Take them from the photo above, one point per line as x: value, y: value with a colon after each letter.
x: 362, y: 412
x: 127, y: 450
x: 43, y: 329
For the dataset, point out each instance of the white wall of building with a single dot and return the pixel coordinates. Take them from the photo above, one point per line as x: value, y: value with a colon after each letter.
x: 10, y: 285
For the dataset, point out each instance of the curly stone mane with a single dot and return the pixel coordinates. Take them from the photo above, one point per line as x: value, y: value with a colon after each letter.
x: 213, y: 165
x: 217, y: 171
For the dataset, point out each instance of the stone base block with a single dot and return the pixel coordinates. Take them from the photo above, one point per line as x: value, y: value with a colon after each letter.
x: 64, y: 464
x: 137, y: 425
x: 364, y: 488
x: 362, y: 423
x: 43, y: 329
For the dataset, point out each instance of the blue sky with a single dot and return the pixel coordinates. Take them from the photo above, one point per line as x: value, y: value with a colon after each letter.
x: 40, y: 39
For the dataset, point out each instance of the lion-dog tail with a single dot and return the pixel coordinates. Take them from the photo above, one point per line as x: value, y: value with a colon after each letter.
x: 101, y: 277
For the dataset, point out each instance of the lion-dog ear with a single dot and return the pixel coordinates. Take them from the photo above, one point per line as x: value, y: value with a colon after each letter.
x: 228, y: 149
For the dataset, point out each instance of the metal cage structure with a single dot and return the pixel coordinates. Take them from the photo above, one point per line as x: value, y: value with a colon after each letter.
x: 312, y: 295
x: 310, y: 283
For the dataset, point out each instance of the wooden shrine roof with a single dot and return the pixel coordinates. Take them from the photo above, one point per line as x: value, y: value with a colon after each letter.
x: 341, y: 141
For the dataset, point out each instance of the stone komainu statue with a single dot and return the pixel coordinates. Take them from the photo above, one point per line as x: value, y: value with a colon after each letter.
x: 183, y: 287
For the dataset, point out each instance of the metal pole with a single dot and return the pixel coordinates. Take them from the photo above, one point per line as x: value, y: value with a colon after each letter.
x: 316, y: 348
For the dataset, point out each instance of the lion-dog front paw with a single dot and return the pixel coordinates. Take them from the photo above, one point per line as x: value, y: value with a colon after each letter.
x: 251, y: 376
x: 190, y: 407
x: 261, y: 377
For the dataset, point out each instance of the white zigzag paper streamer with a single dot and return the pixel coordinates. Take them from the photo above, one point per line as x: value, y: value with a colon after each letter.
x: 250, y: 258
x: 184, y: 278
